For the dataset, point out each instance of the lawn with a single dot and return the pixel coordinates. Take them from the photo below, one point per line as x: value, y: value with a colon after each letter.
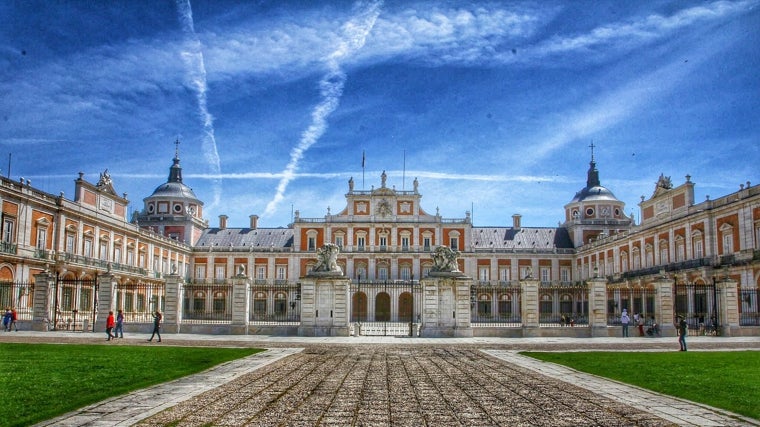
x: 41, y: 381
x: 729, y: 380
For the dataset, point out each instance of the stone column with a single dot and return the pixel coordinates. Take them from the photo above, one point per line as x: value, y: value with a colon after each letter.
x: 172, y: 304
x: 529, y: 307
x: 241, y: 307
x: 325, y: 308
x: 44, y: 286
x: 664, y: 295
x: 446, y: 309
x: 106, y: 300
x: 597, y: 305
x: 728, y: 309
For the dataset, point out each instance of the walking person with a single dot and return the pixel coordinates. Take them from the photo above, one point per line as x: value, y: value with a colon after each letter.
x: 640, y: 324
x: 682, y: 330
x: 156, y: 326
x: 7, y: 319
x: 625, y: 320
x: 110, y: 323
x: 14, y: 317
x: 119, y: 330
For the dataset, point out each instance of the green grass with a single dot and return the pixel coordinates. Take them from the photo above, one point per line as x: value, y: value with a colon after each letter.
x: 728, y: 380
x: 42, y: 381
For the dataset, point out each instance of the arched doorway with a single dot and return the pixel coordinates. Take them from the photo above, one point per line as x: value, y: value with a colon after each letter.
x: 359, y: 307
x: 405, y: 307
x: 382, y: 307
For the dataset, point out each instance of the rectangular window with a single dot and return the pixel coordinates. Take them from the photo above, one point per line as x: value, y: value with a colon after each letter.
x: 382, y: 273
x: 70, y: 243
x: 504, y: 274
x: 680, y: 252
x: 131, y: 257
x: 728, y: 244
x: 311, y: 243
x: 483, y: 274
x: 426, y: 243
x: 664, y: 255
x: 261, y: 272
x: 282, y: 272
x: 8, y: 227
x: 339, y: 241
x: 383, y: 243
x: 360, y: 242
x: 564, y: 274
x: 405, y: 273
x: 117, y: 254
x: 41, y: 237
x: 545, y: 274
x: 454, y: 243
x: 103, y: 255
x: 142, y: 260
x: 404, y: 243
x: 698, y: 251
x: 200, y: 272
x: 87, y: 248
x: 220, y: 271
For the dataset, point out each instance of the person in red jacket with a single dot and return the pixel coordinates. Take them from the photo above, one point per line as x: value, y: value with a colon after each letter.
x: 110, y: 323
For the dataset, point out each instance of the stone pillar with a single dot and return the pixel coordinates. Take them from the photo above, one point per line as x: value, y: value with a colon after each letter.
x: 241, y: 307
x: 172, y: 304
x: 325, y: 308
x: 728, y: 308
x: 446, y: 309
x: 44, y: 286
x: 664, y: 295
x: 106, y: 301
x: 529, y: 307
x: 597, y: 306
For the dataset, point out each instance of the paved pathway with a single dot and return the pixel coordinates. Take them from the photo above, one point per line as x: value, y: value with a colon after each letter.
x: 354, y: 381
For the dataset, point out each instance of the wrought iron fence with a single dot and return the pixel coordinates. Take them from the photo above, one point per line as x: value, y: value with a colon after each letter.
x: 495, y: 305
x: 386, y: 307
x: 698, y: 304
x: 637, y: 301
x: 275, y: 304
x: 749, y: 313
x: 563, y: 305
x: 74, y: 304
x: 139, y: 301
x: 18, y: 296
x: 208, y: 303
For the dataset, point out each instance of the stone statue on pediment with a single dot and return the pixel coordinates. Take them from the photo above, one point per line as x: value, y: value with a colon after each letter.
x: 445, y: 261
x: 327, y: 261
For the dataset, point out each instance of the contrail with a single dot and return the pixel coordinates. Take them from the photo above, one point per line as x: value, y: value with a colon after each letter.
x: 355, y: 34
x: 196, y: 70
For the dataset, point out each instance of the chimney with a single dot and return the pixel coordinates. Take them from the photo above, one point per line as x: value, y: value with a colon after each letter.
x: 222, y: 222
x: 516, y: 221
x: 254, y: 221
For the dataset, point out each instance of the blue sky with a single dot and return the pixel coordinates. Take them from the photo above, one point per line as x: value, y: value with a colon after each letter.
x: 492, y: 106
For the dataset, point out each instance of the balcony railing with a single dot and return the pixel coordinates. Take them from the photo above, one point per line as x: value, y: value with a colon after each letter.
x: 8, y: 247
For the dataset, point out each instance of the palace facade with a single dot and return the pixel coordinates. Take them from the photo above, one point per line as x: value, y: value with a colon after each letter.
x: 385, y: 238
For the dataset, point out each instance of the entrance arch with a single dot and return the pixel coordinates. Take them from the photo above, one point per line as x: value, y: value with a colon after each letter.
x: 405, y: 307
x: 382, y: 307
x: 359, y: 307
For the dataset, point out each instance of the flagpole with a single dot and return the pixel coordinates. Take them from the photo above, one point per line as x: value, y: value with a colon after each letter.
x: 363, y: 157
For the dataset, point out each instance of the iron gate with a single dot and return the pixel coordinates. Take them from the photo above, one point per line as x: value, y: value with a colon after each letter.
x: 74, y: 305
x: 386, y: 308
x: 698, y: 304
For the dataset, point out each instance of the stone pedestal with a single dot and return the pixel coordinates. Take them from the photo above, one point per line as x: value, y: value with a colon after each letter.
x: 241, y: 291
x: 325, y: 306
x: 446, y: 306
x: 106, y: 300
x: 529, y: 307
x: 44, y: 283
x: 728, y: 307
x: 664, y: 316
x: 597, y: 305
x: 172, y: 314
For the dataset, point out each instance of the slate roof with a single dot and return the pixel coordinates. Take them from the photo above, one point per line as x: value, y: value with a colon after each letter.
x: 525, y: 238
x: 259, y: 238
